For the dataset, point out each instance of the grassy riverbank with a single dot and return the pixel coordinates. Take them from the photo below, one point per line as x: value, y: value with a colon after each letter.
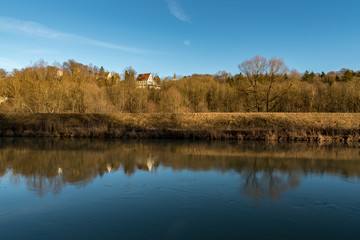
x: 340, y: 127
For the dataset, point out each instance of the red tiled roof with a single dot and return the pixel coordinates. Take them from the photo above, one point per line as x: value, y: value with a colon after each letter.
x: 144, y: 76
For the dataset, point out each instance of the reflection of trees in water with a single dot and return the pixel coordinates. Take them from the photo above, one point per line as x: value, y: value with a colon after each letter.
x: 267, y: 169
x: 267, y: 181
x: 41, y: 185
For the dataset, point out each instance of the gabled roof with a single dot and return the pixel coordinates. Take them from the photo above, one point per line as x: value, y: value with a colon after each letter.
x: 142, y: 77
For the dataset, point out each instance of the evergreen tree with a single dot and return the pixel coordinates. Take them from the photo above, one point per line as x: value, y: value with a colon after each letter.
x: 308, y: 77
x: 130, y: 75
x: 348, y: 76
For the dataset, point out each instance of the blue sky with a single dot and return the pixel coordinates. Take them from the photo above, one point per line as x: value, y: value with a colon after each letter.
x: 181, y: 36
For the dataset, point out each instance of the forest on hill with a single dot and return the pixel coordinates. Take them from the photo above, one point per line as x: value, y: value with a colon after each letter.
x: 262, y: 85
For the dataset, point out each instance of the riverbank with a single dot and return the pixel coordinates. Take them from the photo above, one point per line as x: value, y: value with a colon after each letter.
x: 337, y: 127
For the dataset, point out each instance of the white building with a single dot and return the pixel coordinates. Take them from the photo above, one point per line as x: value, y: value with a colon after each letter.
x: 108, y: 75
x: 3, y: 99
x: 146, y: 81
x: 59, y: 73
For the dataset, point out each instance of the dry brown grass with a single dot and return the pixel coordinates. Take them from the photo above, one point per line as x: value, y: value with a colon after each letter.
x: 255, y: 126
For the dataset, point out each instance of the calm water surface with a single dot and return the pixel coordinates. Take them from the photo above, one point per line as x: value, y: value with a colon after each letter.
x: 113, y: 189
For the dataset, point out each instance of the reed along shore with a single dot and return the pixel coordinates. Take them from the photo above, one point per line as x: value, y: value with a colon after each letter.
x: 331, y: 127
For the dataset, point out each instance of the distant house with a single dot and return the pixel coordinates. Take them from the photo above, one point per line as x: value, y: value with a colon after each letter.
x: 108, y: 75
x: 3, y: 99
x: 53, y: 72
x: 146, y: 81
x: 59, y: 73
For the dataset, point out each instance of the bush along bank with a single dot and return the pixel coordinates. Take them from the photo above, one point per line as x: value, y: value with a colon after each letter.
x: 310, y: 127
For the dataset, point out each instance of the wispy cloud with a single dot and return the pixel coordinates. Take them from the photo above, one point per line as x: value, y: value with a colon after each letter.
x: 38, y: 30
x: 28, y: 27
x: 176, y: 10
x: 187, y: 42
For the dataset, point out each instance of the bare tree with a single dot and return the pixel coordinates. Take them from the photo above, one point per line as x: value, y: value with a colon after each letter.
x: 276, y: 69
x: 262, y: 74
x: 254, y: 69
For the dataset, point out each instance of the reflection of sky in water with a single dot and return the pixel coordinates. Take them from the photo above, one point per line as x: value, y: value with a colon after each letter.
x: 224, y: 198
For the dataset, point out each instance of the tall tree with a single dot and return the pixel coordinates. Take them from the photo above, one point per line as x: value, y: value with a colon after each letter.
x: 254, y: 70
x: 276, y: 69
x: 130, y: 73
x: 3, y: 75
x: 347, y: 76
x: 262, y: 74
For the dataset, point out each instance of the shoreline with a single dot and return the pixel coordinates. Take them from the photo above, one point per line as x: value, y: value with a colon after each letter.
x: 278, y: 127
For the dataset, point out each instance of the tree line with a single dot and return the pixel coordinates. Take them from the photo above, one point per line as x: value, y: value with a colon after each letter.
x: 262, y: 85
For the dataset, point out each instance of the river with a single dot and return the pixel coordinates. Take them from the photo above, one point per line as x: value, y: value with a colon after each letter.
x: 177, y: 189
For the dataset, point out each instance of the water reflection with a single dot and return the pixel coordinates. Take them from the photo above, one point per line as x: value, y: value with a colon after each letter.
x: 268, y: 183
x: 265, y: 170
